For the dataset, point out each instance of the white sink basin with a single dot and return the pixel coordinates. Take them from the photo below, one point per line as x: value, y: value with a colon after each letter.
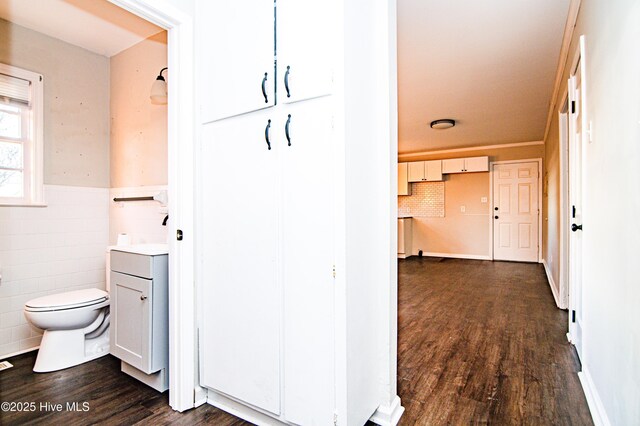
x: 146, y: 249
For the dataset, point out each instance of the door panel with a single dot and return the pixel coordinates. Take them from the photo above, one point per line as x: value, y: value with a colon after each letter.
x: 231, y: 74
x: 240, y: 331
x: 305, y: 49
x: 516, y: 218
x: 131, y: 298
x: 308, y: 259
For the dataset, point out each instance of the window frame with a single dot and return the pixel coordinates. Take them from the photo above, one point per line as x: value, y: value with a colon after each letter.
x: 33, y: 145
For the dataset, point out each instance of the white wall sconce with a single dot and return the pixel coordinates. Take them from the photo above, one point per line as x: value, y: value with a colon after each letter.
x: 159, y: 89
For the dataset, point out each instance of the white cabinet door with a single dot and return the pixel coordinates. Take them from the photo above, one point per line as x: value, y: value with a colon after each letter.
x: 453, y: 165
x: 308, y: 258
x: 241, y: 315
x: 236, y: 71
x: 416, y: 171
x: 433, y: 170
x: 403, y: 179
x: 476, y: 164
x: 305, y: 48
x: 131, y: 298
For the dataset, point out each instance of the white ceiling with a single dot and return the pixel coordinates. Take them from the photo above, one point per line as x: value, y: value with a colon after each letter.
x: 489, y: 64
x: 95, y: 25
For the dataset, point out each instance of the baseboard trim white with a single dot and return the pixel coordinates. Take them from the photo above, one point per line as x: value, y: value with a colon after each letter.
x: 23, y: 351
x: 596, y: 407
x: 552, y: 284
x: 457, y: 256
x: 388, y: 415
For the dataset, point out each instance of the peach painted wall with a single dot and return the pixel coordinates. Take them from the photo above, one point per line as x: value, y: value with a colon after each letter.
x: 138, y: 127
x: 468, y: 233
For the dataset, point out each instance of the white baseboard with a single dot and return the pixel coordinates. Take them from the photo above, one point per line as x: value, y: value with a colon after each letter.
x: 596, y: 407
x: 456, y: 256
x: 24, y: 351
x: 388, y: 415
x: 552, y: 284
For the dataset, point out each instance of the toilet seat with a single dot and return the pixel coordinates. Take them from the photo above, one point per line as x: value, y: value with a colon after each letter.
x: 65, y: 301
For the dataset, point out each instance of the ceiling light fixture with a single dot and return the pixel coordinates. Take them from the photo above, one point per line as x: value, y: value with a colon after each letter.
x: 445, y: 123
x: 159, y: 89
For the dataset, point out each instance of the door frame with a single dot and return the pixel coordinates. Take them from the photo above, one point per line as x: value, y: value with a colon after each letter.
x: 491, y: 177
x: 563, y: 155
x: 180, y: 159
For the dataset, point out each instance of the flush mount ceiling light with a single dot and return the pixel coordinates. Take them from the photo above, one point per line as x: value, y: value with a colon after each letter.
x: 159, y: 89
x: 445, y: 123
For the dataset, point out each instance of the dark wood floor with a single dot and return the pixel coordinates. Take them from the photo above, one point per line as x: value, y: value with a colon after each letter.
x: 483, y: 342
x: 479, y: 342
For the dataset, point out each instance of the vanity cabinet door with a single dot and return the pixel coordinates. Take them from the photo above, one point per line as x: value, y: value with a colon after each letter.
x: 131, y: 301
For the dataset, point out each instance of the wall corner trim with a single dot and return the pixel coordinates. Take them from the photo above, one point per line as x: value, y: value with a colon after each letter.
x: 598, y: 414
x: 388, y: 415
x: 552, y: 284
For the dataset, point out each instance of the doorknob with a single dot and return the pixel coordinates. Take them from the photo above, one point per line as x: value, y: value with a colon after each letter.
x: 143, y: 297
x: 575, y: 227
x: 495, y: 217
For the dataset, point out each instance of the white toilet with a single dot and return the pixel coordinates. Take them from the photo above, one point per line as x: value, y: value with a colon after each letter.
x: 76, y: 327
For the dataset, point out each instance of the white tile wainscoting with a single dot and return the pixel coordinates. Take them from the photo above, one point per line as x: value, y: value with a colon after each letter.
x: 45, y: 250
x: 141, y: 220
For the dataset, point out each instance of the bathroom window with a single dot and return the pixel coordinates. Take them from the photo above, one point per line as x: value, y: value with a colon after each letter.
x: 21, y: 121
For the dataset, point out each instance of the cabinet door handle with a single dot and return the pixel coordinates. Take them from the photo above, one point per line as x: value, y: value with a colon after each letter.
x: 264, y: 88
x: 143, y: 297
x: 266, y: 134
x: 286, y: 81
x: 286, y: 130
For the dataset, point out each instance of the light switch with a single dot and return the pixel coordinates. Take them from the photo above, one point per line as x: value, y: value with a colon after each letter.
x: 483, y: 199
x: 463, y: 209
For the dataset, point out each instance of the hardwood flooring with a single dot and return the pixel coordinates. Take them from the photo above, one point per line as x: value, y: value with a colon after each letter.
x: 479, y: 343
x: 483, y: 343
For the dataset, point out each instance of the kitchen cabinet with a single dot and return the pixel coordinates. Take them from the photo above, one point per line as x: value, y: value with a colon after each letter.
x: 420, y: 171
x: 404, y: 187
x: 405, y: 239
x: 139, y: 315
x: 289, y: 302
x: 465, y: 165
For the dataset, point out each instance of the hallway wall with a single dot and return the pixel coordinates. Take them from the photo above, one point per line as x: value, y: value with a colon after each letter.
x: 611, y: 230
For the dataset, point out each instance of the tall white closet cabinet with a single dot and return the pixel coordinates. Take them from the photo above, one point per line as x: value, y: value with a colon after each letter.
x: 296, y: 272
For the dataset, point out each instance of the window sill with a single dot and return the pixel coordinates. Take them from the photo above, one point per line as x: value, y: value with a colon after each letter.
x: 23, y: 205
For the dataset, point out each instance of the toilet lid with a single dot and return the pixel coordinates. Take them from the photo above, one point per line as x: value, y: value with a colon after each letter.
x: 68, y: 300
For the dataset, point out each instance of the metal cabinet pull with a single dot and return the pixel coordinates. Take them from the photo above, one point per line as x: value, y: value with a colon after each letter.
x: 264, y: 88
x: 286, y: 81
x: 286, y: 130
x: 266, y: 134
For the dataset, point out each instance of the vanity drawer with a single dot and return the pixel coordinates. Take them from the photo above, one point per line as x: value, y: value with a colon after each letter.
x: 132, y: 264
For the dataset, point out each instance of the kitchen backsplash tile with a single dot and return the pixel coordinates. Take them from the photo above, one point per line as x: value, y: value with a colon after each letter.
x: 426, y: 200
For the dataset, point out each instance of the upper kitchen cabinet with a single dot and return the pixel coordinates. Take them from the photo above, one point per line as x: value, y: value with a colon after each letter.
x: 421, y: 171
x: 404, y: 188
x: 462, y: 165
x: 304, y: 59
x: 239, y: 76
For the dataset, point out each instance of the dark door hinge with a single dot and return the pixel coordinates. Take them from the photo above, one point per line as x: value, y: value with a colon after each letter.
x: 573, y: 212
x: 573, y: 107
x: 179, y: 235
x: 573, y: 316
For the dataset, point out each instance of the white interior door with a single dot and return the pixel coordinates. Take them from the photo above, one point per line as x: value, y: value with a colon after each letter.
x: 515, y: 212
x: 305, y: 47
x: 239, y: 76
x: 576, y: 212
x: 241, y: 312
x: 308, y: 259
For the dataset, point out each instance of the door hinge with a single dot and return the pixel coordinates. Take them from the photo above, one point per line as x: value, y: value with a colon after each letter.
x: 573, y: 107
x: 573, y: 212
x: 573, y: 316
x: 334, y: 271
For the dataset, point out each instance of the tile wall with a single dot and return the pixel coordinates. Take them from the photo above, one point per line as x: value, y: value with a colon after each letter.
x: 426, y: 200
x: 45, y: 250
